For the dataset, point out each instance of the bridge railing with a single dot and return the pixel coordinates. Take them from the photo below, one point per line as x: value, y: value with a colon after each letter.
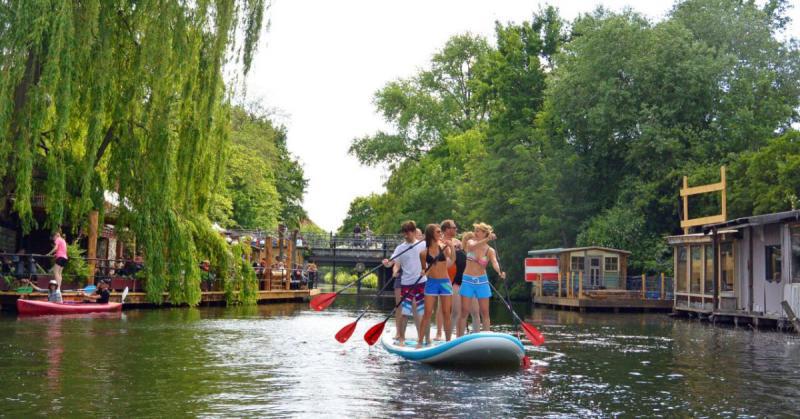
x: 351, y: 241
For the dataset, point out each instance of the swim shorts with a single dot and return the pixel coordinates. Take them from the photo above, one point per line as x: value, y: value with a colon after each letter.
x: 413, y: 293
x: 438, y: 286
x: 475, y: 287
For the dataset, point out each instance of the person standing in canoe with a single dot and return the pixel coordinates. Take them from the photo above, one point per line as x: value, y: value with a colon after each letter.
x: 60, y: 253
x: 53, y: 293
x: 475, y: 283
x: 435, y: 259
x: 406, y: 268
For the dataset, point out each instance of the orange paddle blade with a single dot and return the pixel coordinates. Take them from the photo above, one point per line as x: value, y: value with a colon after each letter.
x: 374, y: 333
x: 322, y: 301
x: 345, y: 333
x: 533, y: 334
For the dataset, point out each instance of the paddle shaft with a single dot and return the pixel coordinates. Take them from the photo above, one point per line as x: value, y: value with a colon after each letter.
x: 364, y: 311
x: 406, y: 294
x: 376, y: 268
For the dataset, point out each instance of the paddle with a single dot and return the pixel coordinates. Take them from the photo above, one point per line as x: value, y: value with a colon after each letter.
x: 344, y: 334
x: 374, y: 332
x: 322, y: 301
x: 124, y: 294
x: 29, y: 289
x: 531, y: 332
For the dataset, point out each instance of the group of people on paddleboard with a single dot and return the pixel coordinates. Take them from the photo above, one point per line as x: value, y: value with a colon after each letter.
x: 435, y: 269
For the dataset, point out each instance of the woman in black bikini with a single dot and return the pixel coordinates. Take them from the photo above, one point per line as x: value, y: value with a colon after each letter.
x: 436, y: 258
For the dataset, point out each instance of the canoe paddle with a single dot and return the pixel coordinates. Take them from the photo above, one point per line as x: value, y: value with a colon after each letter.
x: 29, y: 289
x: 322, y: 301
x: 124, y: 294
x: 347, y: 331
x: 374, y: 332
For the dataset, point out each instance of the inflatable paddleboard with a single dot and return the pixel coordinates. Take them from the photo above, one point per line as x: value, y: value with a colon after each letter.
x: 484, y: 349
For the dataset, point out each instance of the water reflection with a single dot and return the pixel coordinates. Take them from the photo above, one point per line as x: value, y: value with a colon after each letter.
x: 282, y: 360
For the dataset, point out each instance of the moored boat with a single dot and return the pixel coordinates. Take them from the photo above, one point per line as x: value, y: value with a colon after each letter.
x: 479, y: 350
x: 40, y: 308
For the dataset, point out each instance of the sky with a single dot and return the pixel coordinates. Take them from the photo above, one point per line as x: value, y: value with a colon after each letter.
x: 320, y: 62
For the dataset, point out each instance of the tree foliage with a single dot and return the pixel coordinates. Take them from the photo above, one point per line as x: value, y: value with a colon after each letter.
x: 125, y: 96
x: 581, y: 131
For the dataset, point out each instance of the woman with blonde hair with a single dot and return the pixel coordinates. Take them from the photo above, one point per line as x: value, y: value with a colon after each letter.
x: 475, y: 283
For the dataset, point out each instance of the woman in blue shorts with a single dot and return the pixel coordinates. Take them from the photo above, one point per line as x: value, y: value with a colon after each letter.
x: 435, y: 259
x: 475, y: 283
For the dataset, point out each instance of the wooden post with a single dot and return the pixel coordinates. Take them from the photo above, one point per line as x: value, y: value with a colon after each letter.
x: 91, y: 253
x: 268, y: 268
x: 663, y: 293
x: 569, y: 284
x: 580, y: 285
x: 541, y: 291
x: 559, y: 285
x: 685, y: 204
x: 644, y: 286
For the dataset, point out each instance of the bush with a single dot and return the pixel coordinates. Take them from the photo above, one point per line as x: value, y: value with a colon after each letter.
x: 370, y: 281
x: 77, y: 270
x: 343, y: 277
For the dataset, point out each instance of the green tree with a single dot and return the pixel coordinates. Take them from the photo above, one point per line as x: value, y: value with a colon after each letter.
x: 99, y: 95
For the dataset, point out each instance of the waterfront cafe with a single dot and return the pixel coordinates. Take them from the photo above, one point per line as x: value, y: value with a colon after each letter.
x: 599, y: 267
x: 757, y: 267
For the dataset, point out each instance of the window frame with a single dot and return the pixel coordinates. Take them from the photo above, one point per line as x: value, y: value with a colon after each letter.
x: 607, y: 259
x: 770, y: 263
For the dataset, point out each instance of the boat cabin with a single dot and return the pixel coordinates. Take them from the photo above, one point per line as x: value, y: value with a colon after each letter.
x: 756, y: 268
x: 600, y: 267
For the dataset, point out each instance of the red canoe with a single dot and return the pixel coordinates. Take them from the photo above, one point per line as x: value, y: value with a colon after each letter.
x: 37, y: 308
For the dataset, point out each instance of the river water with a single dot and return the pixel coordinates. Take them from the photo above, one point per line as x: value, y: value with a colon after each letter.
x: 282, y: 360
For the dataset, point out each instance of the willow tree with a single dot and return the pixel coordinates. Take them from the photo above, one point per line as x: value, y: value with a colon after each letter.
x: 128, y: 96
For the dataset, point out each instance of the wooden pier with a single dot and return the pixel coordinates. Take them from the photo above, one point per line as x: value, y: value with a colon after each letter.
x: 610, y: 303
x: 8, y: 299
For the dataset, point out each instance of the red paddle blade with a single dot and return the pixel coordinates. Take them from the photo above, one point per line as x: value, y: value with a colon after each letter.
x: 533, y: 334
x: 374, y: 333
x: 322, y: 301
x: 526, y: 362
x: 345, y: 333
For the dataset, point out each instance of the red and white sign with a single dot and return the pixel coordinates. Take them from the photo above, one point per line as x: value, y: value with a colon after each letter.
x: 544, y: 268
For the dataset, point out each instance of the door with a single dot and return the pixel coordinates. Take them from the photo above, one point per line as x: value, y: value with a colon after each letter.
x: 594, y: 271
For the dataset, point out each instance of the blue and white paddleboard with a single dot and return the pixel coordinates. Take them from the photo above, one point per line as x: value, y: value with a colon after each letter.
x: 484, y: 349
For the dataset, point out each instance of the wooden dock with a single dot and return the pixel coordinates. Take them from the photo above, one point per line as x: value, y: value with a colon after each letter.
x: 8, y: 299
x: 609, y: 303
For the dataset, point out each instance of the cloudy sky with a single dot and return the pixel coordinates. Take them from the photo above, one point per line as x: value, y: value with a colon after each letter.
x: 321, y: 62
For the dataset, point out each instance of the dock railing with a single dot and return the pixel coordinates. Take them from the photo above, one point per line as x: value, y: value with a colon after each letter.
x: 577, y: 285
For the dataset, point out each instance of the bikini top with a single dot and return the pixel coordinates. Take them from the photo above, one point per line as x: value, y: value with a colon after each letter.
x: 441, y: 257
x: 483, y: 260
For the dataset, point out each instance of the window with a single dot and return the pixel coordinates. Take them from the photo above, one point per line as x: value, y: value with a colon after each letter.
x: 612, y: 264
x: 726, y: 263
x: 680, y: 274
x: 696, y: 271
x: 773, y: 262
x: 577, y: 263
x: 795, y: 233
x: 708, y: 284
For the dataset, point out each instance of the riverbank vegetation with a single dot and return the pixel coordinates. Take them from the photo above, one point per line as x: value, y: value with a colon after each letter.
x: 574, y: 133
x: 129, y: 99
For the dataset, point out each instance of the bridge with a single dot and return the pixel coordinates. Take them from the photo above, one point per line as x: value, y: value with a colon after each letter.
x: 360, y: 252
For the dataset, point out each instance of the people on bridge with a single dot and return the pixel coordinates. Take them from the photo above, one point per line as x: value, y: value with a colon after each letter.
x: 357, y: 235
x: 475, y: 282
x: 60, y: 253
x: 407, y: 268
x: 435, y: 259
